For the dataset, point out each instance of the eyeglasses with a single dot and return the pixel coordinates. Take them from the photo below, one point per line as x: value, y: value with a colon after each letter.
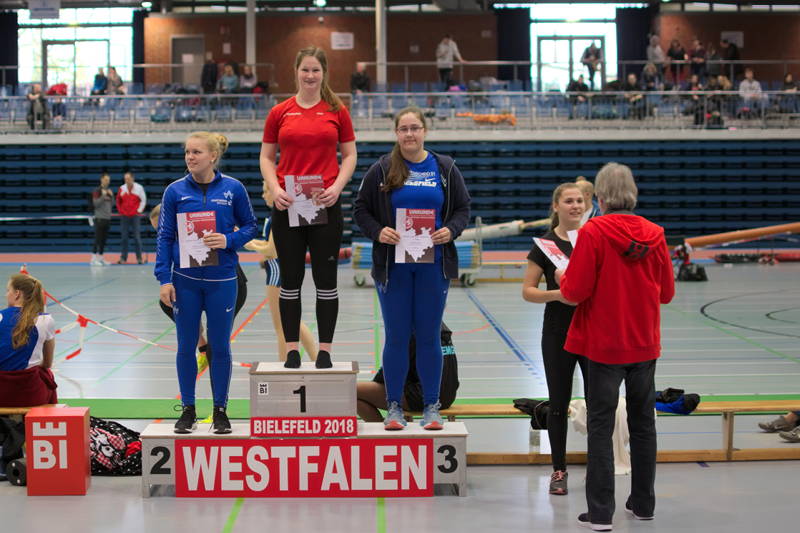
x: 410, y: 129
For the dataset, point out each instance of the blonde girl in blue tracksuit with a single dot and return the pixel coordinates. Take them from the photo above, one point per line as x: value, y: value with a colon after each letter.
x: 190, y: 291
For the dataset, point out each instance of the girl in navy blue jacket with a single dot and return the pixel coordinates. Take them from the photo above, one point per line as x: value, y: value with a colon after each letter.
x: 196, y: 267
x: 412, y: 295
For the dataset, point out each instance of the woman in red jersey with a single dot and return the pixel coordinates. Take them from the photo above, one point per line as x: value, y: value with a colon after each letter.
x: 307, y: 129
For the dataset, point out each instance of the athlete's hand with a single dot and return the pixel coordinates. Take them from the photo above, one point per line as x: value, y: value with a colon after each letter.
x: 441, y: 236
x: 281, y: 199
x: 329, y: 196
x: 167, y: 294
x: 388, y: 236
x: 560, y: 298
x: 215, y: 240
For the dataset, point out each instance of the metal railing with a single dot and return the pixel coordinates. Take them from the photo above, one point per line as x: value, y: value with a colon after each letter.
x: 446, y: 110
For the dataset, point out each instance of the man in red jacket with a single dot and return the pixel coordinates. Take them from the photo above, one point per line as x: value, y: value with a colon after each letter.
x: 619, y: 274
x: 131, y: 201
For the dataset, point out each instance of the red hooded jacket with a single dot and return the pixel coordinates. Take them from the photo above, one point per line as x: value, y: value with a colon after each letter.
x: 619, y: 273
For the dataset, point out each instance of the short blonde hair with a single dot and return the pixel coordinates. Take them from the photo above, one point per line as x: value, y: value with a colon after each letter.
x: 614, y: 185
x: 586, y: 187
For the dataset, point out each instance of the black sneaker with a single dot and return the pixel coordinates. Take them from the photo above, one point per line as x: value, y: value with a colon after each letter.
x: 630, y: 511
x: 220, y: 421
x: 583, y: 519
x: 188, y: 420
x: 292, y: 359
x: 323, y: 360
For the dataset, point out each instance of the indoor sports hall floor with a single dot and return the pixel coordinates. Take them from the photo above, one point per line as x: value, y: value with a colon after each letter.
x: 734, y: 336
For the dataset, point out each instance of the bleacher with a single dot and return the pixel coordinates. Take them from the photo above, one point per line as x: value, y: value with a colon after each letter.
x: 690, y: 187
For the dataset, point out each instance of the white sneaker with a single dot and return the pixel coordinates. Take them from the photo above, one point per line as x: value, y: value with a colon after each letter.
x: 103, y: 262
x: 95, y: 261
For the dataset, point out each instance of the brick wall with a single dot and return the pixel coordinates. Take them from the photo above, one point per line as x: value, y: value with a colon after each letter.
x: 280, y: 36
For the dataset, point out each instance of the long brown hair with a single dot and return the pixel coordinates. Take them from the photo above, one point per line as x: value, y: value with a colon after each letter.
x: 326, y: 92
x: 32, y: 306
x: 398, y: 170
x: 556, y: 197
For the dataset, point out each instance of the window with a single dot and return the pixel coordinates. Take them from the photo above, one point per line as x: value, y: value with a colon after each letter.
x: 88, y: 39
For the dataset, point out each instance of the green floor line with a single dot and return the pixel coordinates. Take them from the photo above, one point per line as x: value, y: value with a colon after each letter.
x: 376, y: 329
x: 380, y: 515
x: 135, y: 355
x: 231, y: 521
x: 239, y: 408
x: 757, y: 344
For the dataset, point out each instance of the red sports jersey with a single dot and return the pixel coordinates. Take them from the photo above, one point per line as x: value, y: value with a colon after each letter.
x: 308, y: 139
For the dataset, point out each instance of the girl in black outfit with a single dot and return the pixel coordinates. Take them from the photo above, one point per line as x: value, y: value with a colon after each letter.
x: 559, y: 365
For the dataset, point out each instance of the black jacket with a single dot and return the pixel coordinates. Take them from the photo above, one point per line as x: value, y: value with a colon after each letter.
x: 373, y: 211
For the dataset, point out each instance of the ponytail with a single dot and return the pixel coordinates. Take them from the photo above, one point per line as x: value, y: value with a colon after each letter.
x: 32, y: 307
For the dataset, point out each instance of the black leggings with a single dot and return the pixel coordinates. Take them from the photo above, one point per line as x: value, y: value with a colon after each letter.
x: 323, y: 241
x: 101, y: 226
x: 559, y: 367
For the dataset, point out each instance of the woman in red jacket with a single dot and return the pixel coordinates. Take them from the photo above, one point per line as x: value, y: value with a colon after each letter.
x: 619, y: 274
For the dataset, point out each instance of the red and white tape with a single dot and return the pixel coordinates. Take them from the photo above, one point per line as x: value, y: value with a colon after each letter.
x: 83, y: 321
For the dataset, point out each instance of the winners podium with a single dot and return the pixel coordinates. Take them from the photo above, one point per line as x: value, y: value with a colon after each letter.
x: 303, y: 440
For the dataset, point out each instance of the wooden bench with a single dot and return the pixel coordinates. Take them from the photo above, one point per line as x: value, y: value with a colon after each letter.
x: 22, y: 411
x: 728, y: 410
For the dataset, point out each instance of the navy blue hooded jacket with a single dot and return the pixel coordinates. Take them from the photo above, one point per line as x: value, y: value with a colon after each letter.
x: 373, y: 211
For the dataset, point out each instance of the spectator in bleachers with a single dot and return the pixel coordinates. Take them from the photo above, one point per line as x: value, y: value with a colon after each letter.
x: 228, y: 83
x: 676, y: 52
x: 567, y: 209
x: 697, y: 58
x: 247, y: 80
x: 578, y: 97
x: 37, y: 107
x: 27, y: 343
x: 619, y: 274
x: 591, y: 209
x: 102, y: 200
x: 100, y: 83
x: 359, y: 80
x: 446, y: 53
x: 750, y: 93
x: 718, y: 103
x: 115, y: 83
x: 59, y: 112
x: 713, y: 65
x: 208, y: 77
x: 695, y: 100
x: 655, y: 54
x: 787, y: 102
x: 634, y: 97
x: 592, y: 58
x: 651, y: 78
x: 131, y: 201
x: 730, y: 52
